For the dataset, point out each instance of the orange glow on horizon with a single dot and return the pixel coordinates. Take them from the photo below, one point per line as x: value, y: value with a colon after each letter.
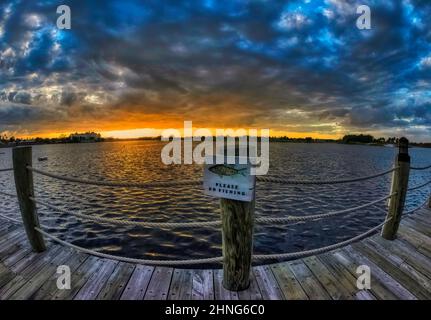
x: 154, y: 132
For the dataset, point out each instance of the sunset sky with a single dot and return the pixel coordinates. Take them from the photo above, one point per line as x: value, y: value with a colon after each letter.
x: 300, y: 68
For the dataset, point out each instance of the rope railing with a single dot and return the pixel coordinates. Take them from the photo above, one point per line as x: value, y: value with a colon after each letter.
x: 116, y: 184
x: 127, y: 222
x: 198, y: 182
x: 130, y: 260
x: 241, y: 239
x: 420, y: 168
x: 419, y: 186
x: 8, y: 194
x: 214, y: 259
x: 204, y: 223
x: 323, y: 215
x: 10, y: 219
x: 322, y: 182
x: 299, y: 254
x: 6, y: 170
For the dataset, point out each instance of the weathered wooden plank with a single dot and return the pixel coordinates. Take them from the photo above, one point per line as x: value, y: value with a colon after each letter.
x: 344, y: 276
x: 95, y: 283
x: 252, y: 292
x: 37, y: 279
x: 203, y: 285
x: 419, y: 280
x: 364, y: 295
x: 221, y: 293
x: 393, y: 267
x: 416, y: 225
x: 289, y: 285
x: 117, y: 282
x: 331, y: 284
x: 385, y: 279
x: 49, y: 288
x: 181, y: 285
x: 425, y: 221
x: 159, y: 284
x: 268, y: 286
x: 78, y: 278
x: 309, y: 283
x: 416, y: 239
x: 27, y: 271
x: 408, y: 253
x: 14, y: 253
x: 10, y: 237
x: 6, y: 275
x: 138, y: 283
x: 377, y: 288
x: 11, y: 248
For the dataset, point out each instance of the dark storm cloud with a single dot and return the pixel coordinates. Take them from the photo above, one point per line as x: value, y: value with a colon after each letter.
x: 263, y: 63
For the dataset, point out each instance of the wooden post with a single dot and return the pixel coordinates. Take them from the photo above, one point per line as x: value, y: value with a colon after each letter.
x: 22, y: 157
x: 400, y: 181
x: 237, y: 232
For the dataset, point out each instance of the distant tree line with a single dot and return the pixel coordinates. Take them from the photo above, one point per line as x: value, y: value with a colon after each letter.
x: 367, y: 139
x: 5, y: 140
x: 94, y: 137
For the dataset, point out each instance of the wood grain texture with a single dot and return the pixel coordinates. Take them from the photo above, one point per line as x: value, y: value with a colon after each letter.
x: 22, y: 157
x: 237, y: 234
x: 400, y: 269
x: 400, y: 182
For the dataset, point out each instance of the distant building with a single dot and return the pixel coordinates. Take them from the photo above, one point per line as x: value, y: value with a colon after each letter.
x: 85, y: 137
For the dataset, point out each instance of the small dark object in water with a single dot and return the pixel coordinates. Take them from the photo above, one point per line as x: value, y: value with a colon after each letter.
x: 42, y: 158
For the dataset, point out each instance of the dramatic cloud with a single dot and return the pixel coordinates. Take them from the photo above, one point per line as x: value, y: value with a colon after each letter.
x: 293, y: 66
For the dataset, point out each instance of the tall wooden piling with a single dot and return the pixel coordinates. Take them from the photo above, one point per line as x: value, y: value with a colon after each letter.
x: 400, y: 180
x: 22, y: 157
x: 237, y: 230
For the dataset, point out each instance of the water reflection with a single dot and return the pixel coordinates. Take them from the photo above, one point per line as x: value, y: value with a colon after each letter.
x: 140, y: 162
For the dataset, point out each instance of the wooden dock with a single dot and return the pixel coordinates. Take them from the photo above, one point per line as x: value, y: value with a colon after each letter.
x: 400, y: 269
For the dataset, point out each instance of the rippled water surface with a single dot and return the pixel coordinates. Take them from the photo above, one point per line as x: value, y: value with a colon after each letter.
x: 140, y: 161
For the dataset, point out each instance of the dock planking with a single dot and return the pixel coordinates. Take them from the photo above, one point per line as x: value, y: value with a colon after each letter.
x: 400, y: 269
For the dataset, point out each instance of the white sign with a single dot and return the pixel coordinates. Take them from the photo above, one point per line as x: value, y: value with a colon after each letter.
x: 230, y: 181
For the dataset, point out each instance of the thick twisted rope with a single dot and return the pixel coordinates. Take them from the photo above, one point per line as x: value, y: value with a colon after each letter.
x: 419, y: 186
x: 5, y: 170
x: 129, y: 223
x: 8, y: 194
x: 205, y: 223
x: 324, y: 215
x: 320, y: 182
x: 198, y: 182
x: 420, y: 168
x: 117, y: 184
x: 10, y: 219
x: 318, y: 250
x: 130, y: 260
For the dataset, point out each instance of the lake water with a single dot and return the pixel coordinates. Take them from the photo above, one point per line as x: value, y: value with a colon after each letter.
x: 139, y: 161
